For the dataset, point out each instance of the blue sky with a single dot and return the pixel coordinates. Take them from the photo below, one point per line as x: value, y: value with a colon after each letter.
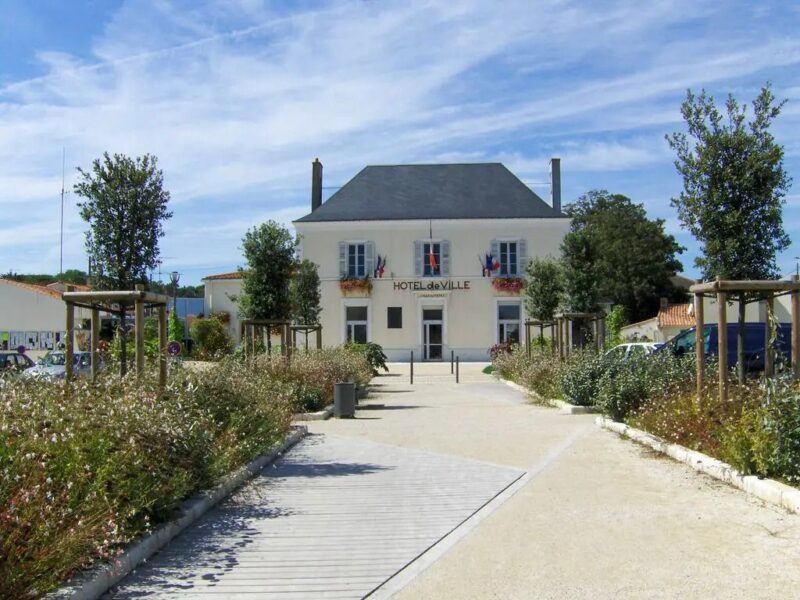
x: 237, y: 97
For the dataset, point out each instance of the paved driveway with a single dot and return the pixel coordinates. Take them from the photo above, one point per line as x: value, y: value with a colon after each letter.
x: 466, y: 491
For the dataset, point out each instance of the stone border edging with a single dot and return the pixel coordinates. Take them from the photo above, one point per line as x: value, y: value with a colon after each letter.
x: 320, y: 415
x: 768, y: 490
x: 565, y: 407
x: 100, y: 579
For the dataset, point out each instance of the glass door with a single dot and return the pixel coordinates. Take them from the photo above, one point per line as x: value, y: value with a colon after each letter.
x: 432, y: 333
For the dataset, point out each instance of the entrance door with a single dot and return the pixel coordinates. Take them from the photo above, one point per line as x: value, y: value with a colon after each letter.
x: 432, y: 330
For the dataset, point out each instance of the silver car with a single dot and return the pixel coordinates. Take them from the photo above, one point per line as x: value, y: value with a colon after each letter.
x: 633, y: 350
x: 53, y: 365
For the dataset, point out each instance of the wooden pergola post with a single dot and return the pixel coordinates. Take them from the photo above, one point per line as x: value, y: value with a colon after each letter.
x: 722, y: 344
x: 69, y: 346
x: 319, y: 337
x: 699, y: 350
x: 95, y: 342
x: 528, y: 338
x: 162, y: 346
x: 769, y: 349
x: 796, y: 329
x: 139, y: 331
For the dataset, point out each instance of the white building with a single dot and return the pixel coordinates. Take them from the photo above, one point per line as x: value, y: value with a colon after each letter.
x: 402, y: 254
x: 34, y: 316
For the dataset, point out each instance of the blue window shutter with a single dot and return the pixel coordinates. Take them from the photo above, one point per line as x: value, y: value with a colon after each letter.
x: 342, y: 259
x: 418, y: 264
x: 495, y: 252
x: 369, y: 258
x: 445, y: 257
x: 522, y: 256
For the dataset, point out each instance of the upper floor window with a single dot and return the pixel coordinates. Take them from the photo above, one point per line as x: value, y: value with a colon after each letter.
x: 431, y: 258
x: 509, y: 264
x: 356, y: 259
x: 511, y: 256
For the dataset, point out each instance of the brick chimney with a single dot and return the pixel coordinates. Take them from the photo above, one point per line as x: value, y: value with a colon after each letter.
x: 316, y: 185
x: 555, y: 184
x: 664, y: 303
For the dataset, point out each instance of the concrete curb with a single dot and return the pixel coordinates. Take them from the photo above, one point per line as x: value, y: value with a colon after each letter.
x: 565, y: 407
x: 97, y: 581
x: 320, y: 415
x: 767, y: 490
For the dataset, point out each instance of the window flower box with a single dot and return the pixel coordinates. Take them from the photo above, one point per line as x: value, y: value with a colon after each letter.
x: 508, y: 285
x: 358, y: 287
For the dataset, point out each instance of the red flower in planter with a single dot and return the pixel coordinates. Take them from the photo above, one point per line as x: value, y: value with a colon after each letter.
x: 512, y: 285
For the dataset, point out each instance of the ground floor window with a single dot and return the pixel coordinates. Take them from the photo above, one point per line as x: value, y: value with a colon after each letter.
x: 508, y: 322
x: 394, y: 317
x: 356, y: 324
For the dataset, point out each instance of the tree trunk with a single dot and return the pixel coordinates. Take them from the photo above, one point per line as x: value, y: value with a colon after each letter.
x: 740, y: 366
x: 123, y: 340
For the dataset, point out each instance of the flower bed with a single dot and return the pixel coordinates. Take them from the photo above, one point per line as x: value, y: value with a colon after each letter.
x: 757, y: 430
x: 83, y: 474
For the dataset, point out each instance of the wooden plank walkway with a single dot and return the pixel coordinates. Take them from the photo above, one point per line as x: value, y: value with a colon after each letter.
x: 334, y: 518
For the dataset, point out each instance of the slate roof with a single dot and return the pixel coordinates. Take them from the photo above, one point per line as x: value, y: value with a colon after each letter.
x: 443, y: 191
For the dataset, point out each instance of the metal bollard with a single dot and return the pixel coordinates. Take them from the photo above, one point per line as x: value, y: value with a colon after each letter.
x: 452, y: 352
x: 456, y: 369
x: 412, y: 367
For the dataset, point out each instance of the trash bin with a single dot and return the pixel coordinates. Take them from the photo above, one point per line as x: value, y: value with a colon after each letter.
x: 344, y: 400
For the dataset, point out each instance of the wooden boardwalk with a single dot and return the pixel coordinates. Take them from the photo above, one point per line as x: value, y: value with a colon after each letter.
x: 334, y: 518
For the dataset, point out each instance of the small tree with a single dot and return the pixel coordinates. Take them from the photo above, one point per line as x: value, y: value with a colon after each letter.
x: 580, y: 275
x: 615, y: 321
x: 304, y: 293
x: 734, y: 186
x: 269, y: 252
x: 543, y: 289
x: 211, y: 338
x: 125, y: 205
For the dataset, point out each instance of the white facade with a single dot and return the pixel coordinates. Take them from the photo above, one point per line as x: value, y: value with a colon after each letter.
x: 35, y: 317
x: 219, y: 292
x: 471, y: 312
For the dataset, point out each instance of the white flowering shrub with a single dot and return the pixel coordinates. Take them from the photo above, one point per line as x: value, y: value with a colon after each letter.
x: 85, y: 469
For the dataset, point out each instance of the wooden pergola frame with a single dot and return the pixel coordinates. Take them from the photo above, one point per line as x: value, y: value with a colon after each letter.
x: 720, y: 289
x: 306, y: 329
x: 250, y: 326
x: 541, y: 324
x: 564, y: 331
x: 109, y: 301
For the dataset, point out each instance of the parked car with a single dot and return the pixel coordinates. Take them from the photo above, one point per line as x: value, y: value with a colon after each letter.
x: 633, y: 350
x: 53, y: 365
x: 754, y: 343
x: 12, y: 361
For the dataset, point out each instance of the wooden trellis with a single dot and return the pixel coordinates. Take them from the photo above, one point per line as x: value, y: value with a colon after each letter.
x: 110, y: 301
x: 721, y: 289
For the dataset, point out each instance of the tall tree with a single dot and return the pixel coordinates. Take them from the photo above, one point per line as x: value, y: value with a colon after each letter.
x: 543, y: 289
x: 734, y: 186
x: 304, y: 293
x: 125, y: 205
x: 614, y: 251
x: 269, y: 252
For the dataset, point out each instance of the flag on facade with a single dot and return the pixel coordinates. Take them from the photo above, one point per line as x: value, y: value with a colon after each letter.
x: 381, y: 266
x: 432, y: 260
x: 489, y: 263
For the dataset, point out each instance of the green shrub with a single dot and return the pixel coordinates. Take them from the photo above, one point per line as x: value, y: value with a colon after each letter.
x: 211, y: 339
x: 372, y: 352
x: 579, y: 377
x: 622, y: 387
x: 765, y: 438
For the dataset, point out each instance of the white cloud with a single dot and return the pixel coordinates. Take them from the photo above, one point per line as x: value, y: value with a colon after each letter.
x: 236, y: 99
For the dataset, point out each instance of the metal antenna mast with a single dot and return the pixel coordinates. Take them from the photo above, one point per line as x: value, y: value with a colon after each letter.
x: 61, y: 255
